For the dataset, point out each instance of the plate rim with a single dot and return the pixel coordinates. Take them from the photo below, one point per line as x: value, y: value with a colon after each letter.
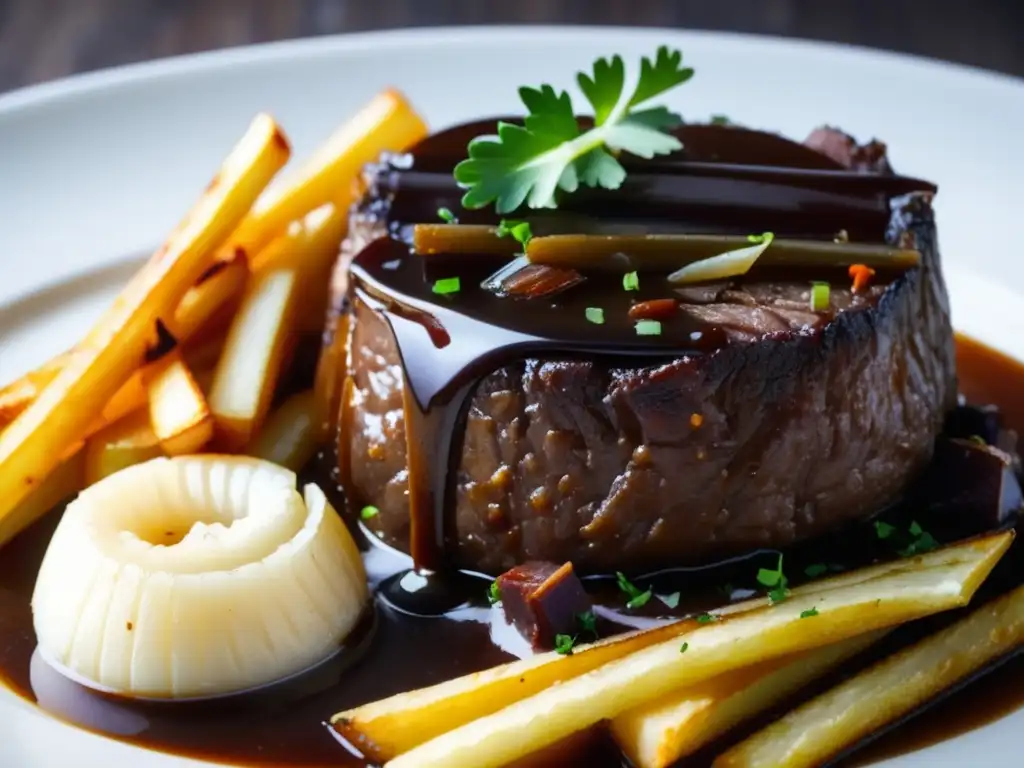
x: 81, y: 87
x: 83, y: 83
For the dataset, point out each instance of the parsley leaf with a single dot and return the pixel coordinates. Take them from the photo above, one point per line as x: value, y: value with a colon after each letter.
x: 672, y: 601
x: 706, y: 618
x: 808, y: 613
x: 683, y: 648
x: 493, y: 595
x: 631, y: 281
x: 531, y: 162
x: 564, y: 644
x: 637, y: 598
x: 446, y: 215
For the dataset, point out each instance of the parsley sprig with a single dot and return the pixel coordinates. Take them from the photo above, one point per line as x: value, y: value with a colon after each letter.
x: 531, y: 162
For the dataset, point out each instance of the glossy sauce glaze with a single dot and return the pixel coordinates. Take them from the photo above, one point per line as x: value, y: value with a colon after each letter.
x: 726, y: 180
x: 285, y: 724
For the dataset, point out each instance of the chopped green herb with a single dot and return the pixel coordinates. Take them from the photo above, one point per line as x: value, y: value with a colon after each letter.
x: 446, y: 215
x: 915, y: 529
x: 808, y: 613
x: 923, y: 543
x: 706, y: 618
x: 883, y: 530
x: 631, y: 281
x: 816, y: 570
x: 518, y: 230
x: 640, y: 600
x: 564, y: 644
x: 493, y: 595
x: 548, y: 152
x: 368, y: 512
x: 447, y: 285
x: 776, y: 581
x: 595, y: 315
x: 819, y: 296
x: 637, y: 598
x: 588, y: 622
x: 672, y: 601
x: 720, y: 120
x: 648, y: 328
x: 683, y: 647
x: 769, y: 236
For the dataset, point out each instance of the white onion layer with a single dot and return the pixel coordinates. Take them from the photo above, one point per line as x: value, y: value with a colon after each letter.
x: 196, y: 576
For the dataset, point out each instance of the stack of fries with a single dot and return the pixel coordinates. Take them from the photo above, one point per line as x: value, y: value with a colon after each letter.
x: 669, y: 691
x: 188, y: 357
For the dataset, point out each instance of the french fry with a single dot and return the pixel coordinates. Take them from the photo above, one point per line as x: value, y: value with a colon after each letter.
x: 658, y: 735
x: 310, y: 246
x: 245, y: 376
x: 20, y: 394
x: 860, y: 706
x: 389, y: 727
x: 386, y: 728
x: 200, y: 304
x: 210, y: 297
x: 178, y: 412
x: 32, y: 445
x: 118, y: 446
x: 387, y: 122
x: 64, y: 482
x: 925, y: 584
x: 288, y: 437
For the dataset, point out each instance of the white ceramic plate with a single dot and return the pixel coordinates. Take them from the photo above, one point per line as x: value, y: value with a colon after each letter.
x: 95, y: 169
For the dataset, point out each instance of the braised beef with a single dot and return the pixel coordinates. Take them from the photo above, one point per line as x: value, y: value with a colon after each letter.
x: 543, y: 600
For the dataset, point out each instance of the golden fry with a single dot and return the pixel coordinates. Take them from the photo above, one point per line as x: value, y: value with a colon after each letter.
x: 123, y: 444
x: 32, y: 445
x: 178, y: 412
x: 387, y: 123
x: 923, y: 585
x: 288, y: 437
x: 860, y: 706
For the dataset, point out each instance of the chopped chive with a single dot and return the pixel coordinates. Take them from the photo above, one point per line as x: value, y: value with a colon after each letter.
x: 588, y: 622
x: 447, y: 285
x: 883, y: 530
x: 769, y: 236
x: 631, y: 281
x: 819, y: 296
x: 368, y: 512
x: 672, y: 601
x: 808, y: 613
x: 444, y: 214
x: 640, y: 600
x: 648, y: 328
x: 683, y: 648
x: 637, y: 598
x: 595, y: 315
x: 519, y: 230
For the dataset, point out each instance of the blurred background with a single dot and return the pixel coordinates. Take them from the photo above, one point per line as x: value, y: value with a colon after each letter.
x: 45, y: 39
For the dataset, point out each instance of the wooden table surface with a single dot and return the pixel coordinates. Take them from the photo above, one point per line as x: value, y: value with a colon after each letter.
x: 45, y: 39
